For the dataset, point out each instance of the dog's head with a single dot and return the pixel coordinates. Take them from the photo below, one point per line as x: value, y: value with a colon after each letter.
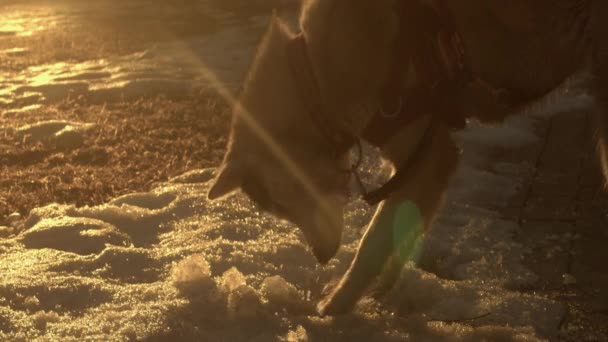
x: 278, y: 157
x: 308, y: 190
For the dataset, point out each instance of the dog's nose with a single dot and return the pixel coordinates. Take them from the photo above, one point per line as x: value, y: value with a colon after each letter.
x: 325, y: 253
x: 326, y: 235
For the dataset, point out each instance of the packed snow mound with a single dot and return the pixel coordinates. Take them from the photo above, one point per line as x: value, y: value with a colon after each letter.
x: 60, y: 233
x: 281, y: 294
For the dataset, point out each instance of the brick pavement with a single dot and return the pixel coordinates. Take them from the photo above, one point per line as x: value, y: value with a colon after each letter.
x: 561, y: 211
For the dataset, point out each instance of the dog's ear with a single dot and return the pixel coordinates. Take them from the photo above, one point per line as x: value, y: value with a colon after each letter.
x: 228, y: 180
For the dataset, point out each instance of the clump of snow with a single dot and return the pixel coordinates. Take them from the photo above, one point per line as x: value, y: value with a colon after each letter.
x: 281, y: 294
x: 43, y: 318
x: 241, y: 300
x: 64, y: 134
x: 569, y: 279
x: 192, y: 276
x: 299, y: 334
x: 244, y: 302
x: 232, y: 279
x: 31, y: 302
x: 13, y: 219
x: 6, y: 231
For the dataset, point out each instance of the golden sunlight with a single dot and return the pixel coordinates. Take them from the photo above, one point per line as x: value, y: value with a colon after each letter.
x: 26, y: 22
x: 118, y: 221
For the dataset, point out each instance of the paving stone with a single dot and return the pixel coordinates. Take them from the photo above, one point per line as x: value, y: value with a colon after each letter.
x: 592, y: 209
x: 549, y: 256
x: 592, y: 228
x: 564, y: 187
x: 587, y: 193
x: 590, y: 267
x: 563, y: 211
x: 565, y: 169
x: 591, y: 176
x: 511, y: 213
x: 568, y: 128
x: 522, y: 156
x: 550, y: 209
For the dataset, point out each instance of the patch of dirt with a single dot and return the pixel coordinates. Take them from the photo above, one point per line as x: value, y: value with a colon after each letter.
x: 132, y: 146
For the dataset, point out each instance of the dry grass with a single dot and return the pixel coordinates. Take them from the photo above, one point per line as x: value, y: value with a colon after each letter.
x: 134, y: 145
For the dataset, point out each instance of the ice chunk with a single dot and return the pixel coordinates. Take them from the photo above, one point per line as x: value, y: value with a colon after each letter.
x: 31, y: 302
x: 244, y: 303
x: 281, y: 293
x: 297, y: 335
x: 232, y: 279
x: 42, y: 318
x: 192, y: 277
x: 13, y: 219
x: 569, y: 279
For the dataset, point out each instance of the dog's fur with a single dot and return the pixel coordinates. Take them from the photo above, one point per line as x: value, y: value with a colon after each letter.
x: 523, y: 47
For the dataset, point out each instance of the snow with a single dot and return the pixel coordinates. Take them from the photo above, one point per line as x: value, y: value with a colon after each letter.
x: 193, y: 275
x: 176, y: 69
x: 280, y: 293
x: 170, y: 263
x: 64, y: 134
x: 60, y: 233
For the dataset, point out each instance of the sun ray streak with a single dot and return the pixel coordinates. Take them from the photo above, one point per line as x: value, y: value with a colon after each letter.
x: 277, y: 149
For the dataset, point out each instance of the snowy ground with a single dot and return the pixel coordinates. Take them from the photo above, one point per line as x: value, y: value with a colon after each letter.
x: 169, y: 265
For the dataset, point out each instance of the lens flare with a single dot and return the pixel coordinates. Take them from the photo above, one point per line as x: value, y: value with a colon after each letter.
x: 408, y: 228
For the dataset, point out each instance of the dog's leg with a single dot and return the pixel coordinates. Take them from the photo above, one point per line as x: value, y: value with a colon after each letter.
x: 397, y: 225
x: 599, y: 29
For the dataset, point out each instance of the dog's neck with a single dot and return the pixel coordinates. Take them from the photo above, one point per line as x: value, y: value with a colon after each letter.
x: 350, y: 45
x: 349, y: 84
x: 269, y: 99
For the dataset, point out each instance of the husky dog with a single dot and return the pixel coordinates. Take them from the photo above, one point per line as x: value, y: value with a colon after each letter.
x: 278, y: 156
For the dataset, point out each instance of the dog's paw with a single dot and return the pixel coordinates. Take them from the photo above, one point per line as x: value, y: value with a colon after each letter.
x: 328, y: 307
x: 336, y: 303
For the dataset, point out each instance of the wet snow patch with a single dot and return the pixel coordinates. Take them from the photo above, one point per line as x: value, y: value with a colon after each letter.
x: 215, y: 62
x: 60, y: 233
x: 64, y: 134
